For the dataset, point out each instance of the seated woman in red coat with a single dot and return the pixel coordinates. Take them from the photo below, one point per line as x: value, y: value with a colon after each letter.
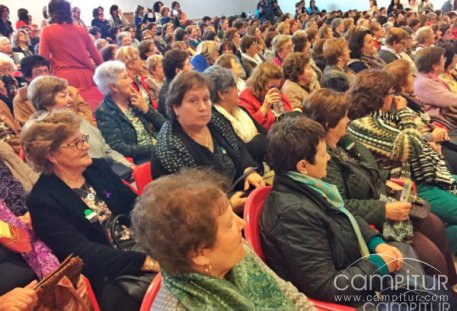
x: 262, y: 98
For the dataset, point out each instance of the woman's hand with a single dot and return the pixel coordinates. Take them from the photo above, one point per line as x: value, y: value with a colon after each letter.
x: 272, y: 96
x: 237, y: 201
x: 435, y: 146
x: 398, y: 211
x: 253, y: 179
x: 439, y: 135
x: 399, y: 102
x: 391, y: 256
x: 20, y: 299
x: 150, y: 265
x: 138, y: 101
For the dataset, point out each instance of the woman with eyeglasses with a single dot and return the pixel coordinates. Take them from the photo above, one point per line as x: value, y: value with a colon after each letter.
x: 50, y: 93
x: 73, y: 198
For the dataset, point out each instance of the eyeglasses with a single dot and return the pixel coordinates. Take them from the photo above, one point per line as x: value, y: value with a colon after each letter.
x: 79, y: 144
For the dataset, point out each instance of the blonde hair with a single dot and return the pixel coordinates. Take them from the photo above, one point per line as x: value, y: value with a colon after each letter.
x: 261, y: 75
x: 15, y: 38
x: 206, y: 48
x: 126, y: 54
x: 279, y: 41
x: 44, y: 132
x: 152, y: 61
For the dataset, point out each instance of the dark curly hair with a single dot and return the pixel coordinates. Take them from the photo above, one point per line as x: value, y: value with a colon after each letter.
x: 60, y: 12
x: 356, y: 42
x: 368, y: 92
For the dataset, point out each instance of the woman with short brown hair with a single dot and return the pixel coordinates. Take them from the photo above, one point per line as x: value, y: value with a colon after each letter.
x: 336, y: 54
x: 187, y: 220
x: 72, y: 200
x: 298, y: 74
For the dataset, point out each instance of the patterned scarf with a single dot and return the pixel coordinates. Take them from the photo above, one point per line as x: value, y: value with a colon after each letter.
x: 172, y: 151
x: 241, y: 122
x: 373, y: 62
x: 330, y: 193
x: 246, y: 287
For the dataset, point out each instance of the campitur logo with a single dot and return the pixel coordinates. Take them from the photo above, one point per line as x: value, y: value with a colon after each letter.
x: 407, y: 289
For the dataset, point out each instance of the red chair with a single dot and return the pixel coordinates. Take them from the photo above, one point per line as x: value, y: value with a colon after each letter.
x: 125, y: 182
x: 252, y: 211
x: 90, y: 293
x: 151, y: 294
x: 142, y: 176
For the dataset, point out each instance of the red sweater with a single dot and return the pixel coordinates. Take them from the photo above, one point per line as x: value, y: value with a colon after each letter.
x: 72, y: 54
x: 252, y: 105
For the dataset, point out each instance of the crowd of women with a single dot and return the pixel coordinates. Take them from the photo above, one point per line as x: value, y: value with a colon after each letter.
x: 332, y: 109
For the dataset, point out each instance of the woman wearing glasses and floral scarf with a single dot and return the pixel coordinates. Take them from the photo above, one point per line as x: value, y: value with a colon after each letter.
x: 73, y: 197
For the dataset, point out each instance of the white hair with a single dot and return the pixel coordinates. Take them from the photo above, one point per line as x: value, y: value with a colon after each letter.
x: 107, y: 74
x: 6, y: 59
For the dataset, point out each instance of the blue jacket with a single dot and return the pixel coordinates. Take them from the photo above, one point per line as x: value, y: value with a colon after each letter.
x: 199, y: 63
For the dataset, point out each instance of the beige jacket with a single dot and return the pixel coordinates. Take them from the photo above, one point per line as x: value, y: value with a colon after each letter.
x: 23, y: 108
x: 295, y: 93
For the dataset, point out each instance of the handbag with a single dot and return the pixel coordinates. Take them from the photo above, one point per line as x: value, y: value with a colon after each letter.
x: 59, y: 283
x: 117, y: 229
x: 118, y: 232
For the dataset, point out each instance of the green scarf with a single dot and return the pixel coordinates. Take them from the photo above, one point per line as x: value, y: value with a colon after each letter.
x: 331, y: 194
x: 245, y: 287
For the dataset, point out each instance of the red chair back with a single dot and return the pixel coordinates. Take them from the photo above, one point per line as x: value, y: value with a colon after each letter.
x: 151, y: 293
x: 252, y: 211
x: 142, y: 176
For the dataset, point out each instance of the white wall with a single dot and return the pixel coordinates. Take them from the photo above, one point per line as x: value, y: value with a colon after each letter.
x: 193, y: 8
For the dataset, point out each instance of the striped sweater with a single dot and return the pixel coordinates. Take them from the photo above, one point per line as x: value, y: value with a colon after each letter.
x: 396, y: 141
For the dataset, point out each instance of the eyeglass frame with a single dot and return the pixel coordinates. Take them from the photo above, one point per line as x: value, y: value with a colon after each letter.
x: 80, y: 142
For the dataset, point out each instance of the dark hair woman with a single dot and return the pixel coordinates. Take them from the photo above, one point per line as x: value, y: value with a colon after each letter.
x: 196, y: 135
x: 350, y: 163
x: 363, y: 55
x: 384, y: 124
x: 69, y: 48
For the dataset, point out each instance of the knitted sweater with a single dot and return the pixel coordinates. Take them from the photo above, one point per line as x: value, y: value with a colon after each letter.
x: 396, y: 141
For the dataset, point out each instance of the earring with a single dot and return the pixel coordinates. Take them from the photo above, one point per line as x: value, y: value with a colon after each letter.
x: 304, y: 172
x: 208, y: 269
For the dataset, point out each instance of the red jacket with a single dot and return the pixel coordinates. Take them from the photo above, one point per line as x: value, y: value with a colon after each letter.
x: 252, y: 104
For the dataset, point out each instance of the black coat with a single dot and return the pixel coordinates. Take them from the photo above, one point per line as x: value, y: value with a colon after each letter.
x: 359, y: 182
x: 58, y: 219
x: 120, y: 134
x: 310, y: 243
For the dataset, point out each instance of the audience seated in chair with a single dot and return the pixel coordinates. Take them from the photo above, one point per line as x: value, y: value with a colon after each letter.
x: 73, y: 198
x: 187, y: 223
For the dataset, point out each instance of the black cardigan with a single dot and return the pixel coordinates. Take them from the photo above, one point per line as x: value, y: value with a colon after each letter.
x: 201, y: 155
x: 58, y: 219
x: 309, y: 242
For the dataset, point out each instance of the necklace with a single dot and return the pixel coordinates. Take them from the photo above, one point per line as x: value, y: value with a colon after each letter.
x: 88, y: 192
x: 208, y: 139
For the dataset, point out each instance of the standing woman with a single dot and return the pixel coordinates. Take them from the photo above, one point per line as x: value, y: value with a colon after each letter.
x: 69, y: 48
x: 100, y: 21
x: 24, y: 18
x: 6, y: 29
x: 394, y: 6
x: 117, y: 17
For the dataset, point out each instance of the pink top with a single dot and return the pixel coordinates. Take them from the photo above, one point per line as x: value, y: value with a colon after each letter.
x: 71, y: 52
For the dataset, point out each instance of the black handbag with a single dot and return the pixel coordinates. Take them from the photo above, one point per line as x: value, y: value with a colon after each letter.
x: 118, y: 232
